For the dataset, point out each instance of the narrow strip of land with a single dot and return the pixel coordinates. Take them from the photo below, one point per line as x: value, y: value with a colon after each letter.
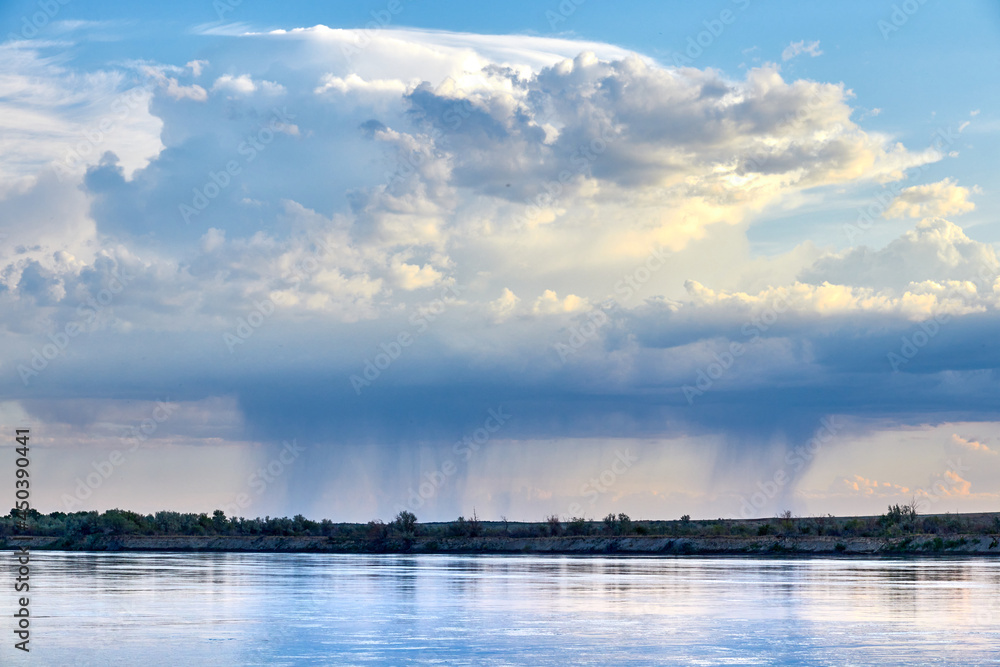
x: 897, y: 532
x: 650, y: 545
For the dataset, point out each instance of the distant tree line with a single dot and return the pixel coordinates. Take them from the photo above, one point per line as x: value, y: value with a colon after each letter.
x: 897, y: 521
x: 125, y: 522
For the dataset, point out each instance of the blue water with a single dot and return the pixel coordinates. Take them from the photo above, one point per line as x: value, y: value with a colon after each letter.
x: 281, y: 609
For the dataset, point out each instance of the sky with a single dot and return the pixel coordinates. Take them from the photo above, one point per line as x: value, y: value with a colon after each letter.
x: 722, y: 259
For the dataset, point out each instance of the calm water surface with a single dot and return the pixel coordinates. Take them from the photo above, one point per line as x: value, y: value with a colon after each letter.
x: 282, y: 609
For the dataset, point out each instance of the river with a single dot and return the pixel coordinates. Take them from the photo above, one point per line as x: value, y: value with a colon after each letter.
x: 145, y: 609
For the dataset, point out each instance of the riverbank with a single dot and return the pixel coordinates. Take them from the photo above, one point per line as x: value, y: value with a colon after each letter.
x: 672, y: 546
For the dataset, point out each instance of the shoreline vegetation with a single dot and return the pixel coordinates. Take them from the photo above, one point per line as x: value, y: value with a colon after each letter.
x: 900, y: 531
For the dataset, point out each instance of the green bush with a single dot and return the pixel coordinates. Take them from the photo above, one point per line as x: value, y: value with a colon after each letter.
x: 853, y: 527
x: 578, y: 526
x: 618, y: 525
x: 405, y: 522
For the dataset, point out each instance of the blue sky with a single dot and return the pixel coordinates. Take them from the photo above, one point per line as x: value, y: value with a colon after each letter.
x: 716, y: 259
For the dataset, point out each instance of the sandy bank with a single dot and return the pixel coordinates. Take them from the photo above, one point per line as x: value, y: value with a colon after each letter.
x: 652, y: 545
